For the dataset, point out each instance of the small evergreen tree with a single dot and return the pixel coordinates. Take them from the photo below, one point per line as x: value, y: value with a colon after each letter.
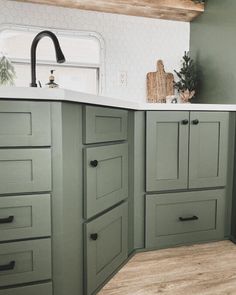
x: 7, y: 71
x: 187, y: 75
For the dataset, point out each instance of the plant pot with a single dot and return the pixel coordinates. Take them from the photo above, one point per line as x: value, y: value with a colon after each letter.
x: 186, y: 95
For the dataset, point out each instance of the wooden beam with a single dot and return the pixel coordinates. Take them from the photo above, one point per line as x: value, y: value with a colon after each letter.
x: 181, y: 10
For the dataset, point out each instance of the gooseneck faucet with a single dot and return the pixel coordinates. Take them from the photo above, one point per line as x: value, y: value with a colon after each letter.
x: 59, y: 54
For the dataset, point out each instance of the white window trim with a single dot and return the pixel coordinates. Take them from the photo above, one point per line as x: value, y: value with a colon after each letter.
x: 98, y: 37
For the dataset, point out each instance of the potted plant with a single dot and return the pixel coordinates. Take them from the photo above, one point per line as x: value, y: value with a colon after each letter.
x: 7, y: 71
x: 186, y: 86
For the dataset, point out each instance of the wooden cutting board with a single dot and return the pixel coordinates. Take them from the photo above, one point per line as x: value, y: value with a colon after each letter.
x: 159, y: 84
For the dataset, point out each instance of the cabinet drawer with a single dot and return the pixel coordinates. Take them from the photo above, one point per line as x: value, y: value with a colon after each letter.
x: 178, y: 218
x: 25, y: 170
x: 24, y: 123
x: 104, y: 124
x: 106, y: 244
x: 24, y: 217
x: 106, y: 177
x: 39, y: 289
x: 25, y: 262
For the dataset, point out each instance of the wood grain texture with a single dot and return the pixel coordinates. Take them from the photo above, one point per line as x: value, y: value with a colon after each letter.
x: 204, y: 269
x: 159, y: 84
x: 180, y: 10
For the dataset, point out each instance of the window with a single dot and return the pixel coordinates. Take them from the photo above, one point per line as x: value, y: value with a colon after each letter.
x: 84, y: 52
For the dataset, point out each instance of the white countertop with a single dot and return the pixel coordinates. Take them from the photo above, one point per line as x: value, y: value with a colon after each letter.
x: 74, y: 96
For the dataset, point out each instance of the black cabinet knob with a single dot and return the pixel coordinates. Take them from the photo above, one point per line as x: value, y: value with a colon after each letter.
x: 195, y: 122
x: 94, y: 237
x: 185, y: 122
x: 94, y: 163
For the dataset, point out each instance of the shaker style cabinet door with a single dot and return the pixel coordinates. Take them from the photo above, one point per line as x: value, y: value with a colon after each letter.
x: 104, y: 124
x: 25, y: 262
x: 106, y: 177
x: 25, y: 124
x: 167, y: 150
x: 24, y: 217
x: 25, y: 170
x: 208, y: 149
x: 186, y: 217
x: 106, y: 246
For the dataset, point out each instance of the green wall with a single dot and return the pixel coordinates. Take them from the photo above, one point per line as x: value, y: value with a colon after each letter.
x: 213, y: 45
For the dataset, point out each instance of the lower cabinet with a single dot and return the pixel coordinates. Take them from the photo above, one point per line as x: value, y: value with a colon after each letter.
x: 106, y: 246
x: 180, y: 218
x: 39, y: 289
x: 25, y: 262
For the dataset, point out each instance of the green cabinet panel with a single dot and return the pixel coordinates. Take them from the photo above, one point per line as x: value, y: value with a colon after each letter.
x: 25, y: 217
x: 104, y: 124
x: 179, y: 218
x: 106, y: 246
x: 24, y: 123
x: 39, y: 289
x: 25, y: 170
x: 208, y: 149
x: 25, y: 262
x: 167, y: 150
x: 106, y: 181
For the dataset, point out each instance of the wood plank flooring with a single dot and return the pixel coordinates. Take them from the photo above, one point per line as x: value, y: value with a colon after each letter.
x: 206, y: 269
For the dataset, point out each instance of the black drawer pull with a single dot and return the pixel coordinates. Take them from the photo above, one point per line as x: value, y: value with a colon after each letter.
x: 184, y: 122
x: 9, y: 266
x: 7, y: 220
x: 94, y: 237
x: 195, y: 122
x: 94, y: 163
x: 188, y: 218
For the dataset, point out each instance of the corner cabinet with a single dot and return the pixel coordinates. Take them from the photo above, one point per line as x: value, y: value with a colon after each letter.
x: 186, y: 167
x: 186, y: 150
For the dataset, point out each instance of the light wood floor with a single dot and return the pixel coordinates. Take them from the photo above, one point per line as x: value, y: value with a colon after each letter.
x: 206, y: 269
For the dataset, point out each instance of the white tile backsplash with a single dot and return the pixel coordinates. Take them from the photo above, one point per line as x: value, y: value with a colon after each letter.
x: 133, y: 44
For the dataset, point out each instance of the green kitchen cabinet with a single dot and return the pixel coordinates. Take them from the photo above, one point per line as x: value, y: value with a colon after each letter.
x: 24, y: 217
x: 180, y: 218
x: 39, y: 289
x: 106, y: 177
x: 104, y: 124
x: 166, y: 150
x: 25, y: 170
x: 186, y: 150
x: 208, y: 146
x: 106, y: 246
x: 25, y: 262
x: 25, y: 124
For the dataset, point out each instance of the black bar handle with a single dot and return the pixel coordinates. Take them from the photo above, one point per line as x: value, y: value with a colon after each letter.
x: 195, y: 122
x: 94, y: 163
x: 188, y: 218
x: 7, y: 220
x: 184, y: 122
x: 94, y: 237
x: 9, y: 266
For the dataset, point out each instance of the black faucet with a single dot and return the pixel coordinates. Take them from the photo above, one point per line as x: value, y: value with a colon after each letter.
x: 59, y: 55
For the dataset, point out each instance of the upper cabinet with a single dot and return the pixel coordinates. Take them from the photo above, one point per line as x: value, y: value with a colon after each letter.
x: 180, y: 10
x: 186, y: 150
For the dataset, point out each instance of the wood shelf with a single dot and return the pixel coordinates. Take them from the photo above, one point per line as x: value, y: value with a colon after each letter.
x: 180, y: 10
